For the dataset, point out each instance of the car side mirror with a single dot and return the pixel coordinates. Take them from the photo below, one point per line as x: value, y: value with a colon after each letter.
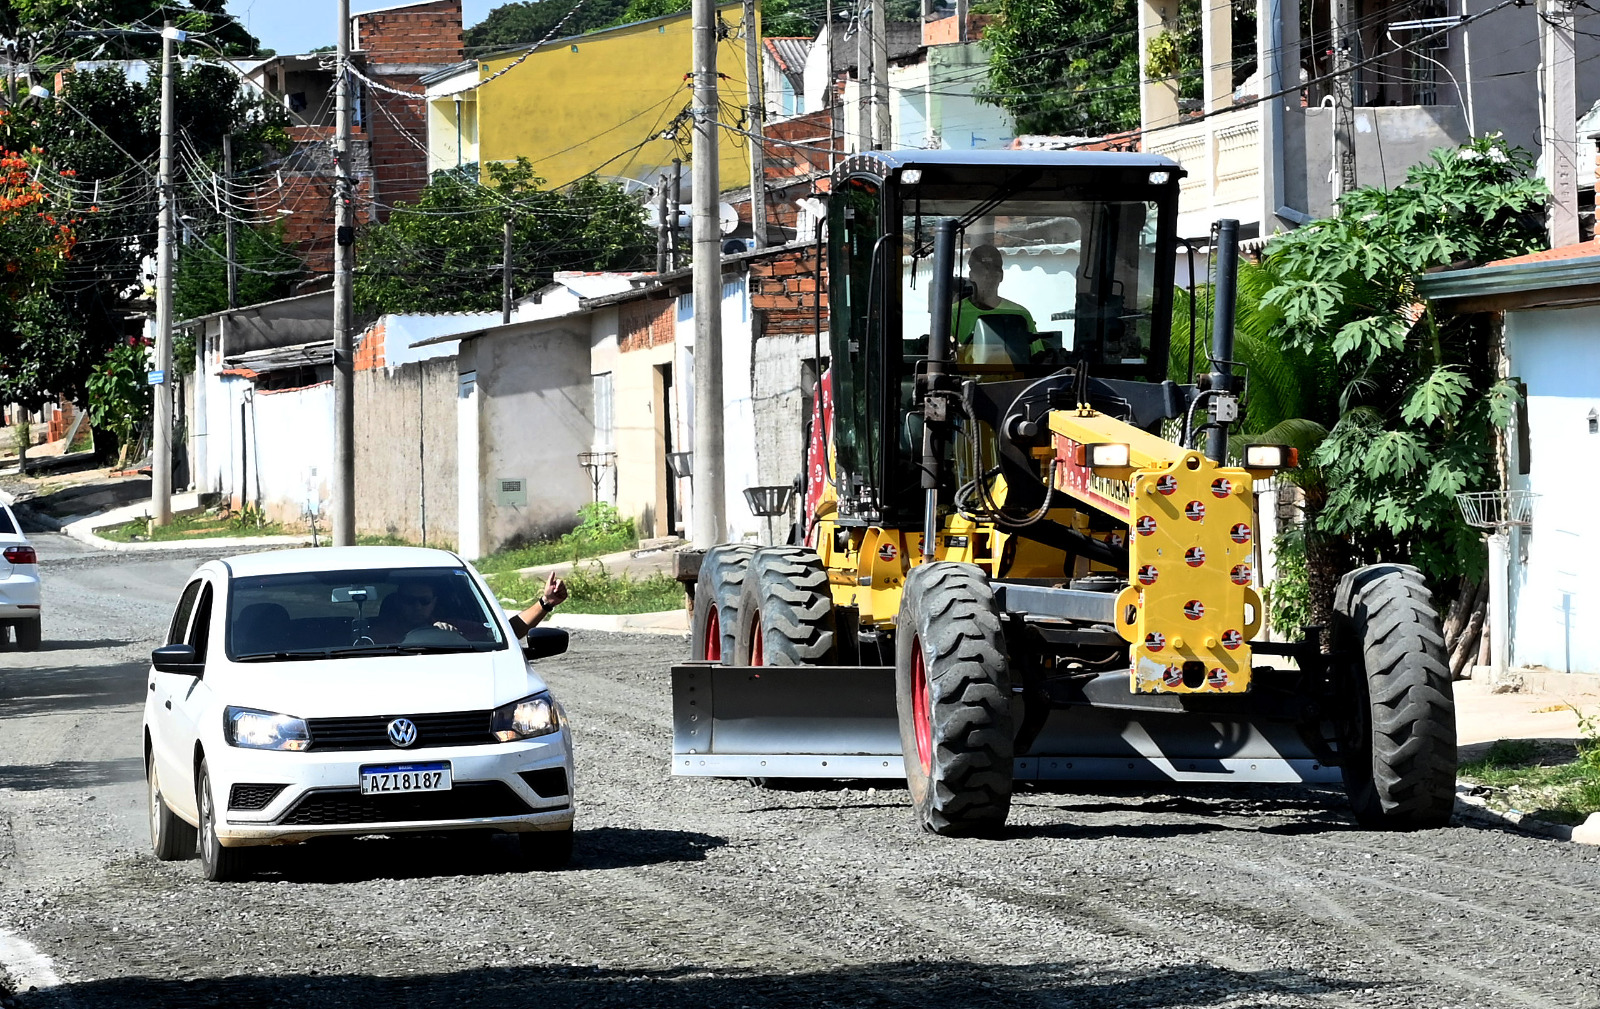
x: 543, y: 642
x: 176, y: 659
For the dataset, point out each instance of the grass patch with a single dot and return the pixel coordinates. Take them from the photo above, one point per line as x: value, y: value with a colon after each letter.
x: 593, y: 589
x: 1556, y: 782
x: 601, y: 530
x: 188, y: 527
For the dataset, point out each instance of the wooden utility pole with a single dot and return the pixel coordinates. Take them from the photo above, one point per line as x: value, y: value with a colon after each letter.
x: 344, y: 408
x: 161, y: 430
x: 710, y: 506
x: 661, y: 224
x: 754, y: 115
x: 227, y: 221
x: 1560, y: 138
x: 675, y: 207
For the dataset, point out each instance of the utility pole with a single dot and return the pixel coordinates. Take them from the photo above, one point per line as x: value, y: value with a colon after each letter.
x: 1344, y: 112
x: 344, y: 407
x: 227, y: 222
x: 675, y: 205
x: 505, y: 273
x: 661, y: 225
x: 884, y: 135
x: 754, y: 115
x: 863, y: 76
x: 161, y: 432
x: 710, y: 525
x: 1560, y: 120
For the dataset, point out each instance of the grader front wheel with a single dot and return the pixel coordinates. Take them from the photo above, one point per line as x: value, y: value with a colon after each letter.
x: 785, y: 611
x: 1399, y: 761
x: 953, y: 696
x: 716, y: 602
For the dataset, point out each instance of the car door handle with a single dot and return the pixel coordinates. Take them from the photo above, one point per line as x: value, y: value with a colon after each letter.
x: 169, y: 705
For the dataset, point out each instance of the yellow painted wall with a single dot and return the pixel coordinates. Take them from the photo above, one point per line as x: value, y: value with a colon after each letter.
x: 585, y: 104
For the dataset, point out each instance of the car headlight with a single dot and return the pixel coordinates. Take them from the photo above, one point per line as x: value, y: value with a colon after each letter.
x: 264, y: 730
x: 531, y: 716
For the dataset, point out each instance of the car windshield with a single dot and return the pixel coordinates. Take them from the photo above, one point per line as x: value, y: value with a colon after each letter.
x: 345, y: 614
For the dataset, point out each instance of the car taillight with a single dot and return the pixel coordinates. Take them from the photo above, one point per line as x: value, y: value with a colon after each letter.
x: 22, y: 555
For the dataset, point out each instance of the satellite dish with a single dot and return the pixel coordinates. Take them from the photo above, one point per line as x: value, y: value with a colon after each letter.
x: 727, y: 218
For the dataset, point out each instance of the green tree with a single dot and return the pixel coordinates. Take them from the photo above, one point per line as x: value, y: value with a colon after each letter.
x: 119, y: 396
x: 266, y: 268
x: 1419, y: 403
x: 443, y: 253
x: 521, y: 24
x: 1065, y: 67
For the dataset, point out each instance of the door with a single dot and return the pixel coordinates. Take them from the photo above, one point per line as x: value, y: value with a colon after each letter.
x: 191, y: 698
x: 162, y: 686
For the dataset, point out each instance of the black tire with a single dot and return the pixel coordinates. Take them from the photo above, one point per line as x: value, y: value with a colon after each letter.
x: 716, y: 602
x: 220, y: 865
x: 1399, y: 738
x: 546, y: 849
x: 29, y: 634
x: 953, y: 695
x: 171, y: 837
x: 785, y: 611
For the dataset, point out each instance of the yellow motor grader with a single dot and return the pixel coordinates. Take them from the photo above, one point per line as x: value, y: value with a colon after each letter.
x: 1027, y: 555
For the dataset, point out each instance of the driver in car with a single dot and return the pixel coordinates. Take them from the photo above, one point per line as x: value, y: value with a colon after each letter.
x: 413, y: 605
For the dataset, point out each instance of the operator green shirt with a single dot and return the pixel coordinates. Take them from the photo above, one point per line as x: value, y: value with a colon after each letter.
x: 968, y: 312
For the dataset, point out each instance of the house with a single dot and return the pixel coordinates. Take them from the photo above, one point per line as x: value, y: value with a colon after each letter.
x: 1272, y: 165
x: 612, y: 103
x: 1550, y: 304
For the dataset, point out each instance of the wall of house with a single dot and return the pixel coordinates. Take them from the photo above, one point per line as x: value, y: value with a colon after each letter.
x: 535, y: 414
x: 934, y: 105
x: 291, y: 453
x: 1388, y: 141
x: 1554, y: 593
x: 641, y: 353
x: 406, y: 463
x: 444, y: 151
x: 738, y: 402
x: 783, y: 373
x: 565, y: 110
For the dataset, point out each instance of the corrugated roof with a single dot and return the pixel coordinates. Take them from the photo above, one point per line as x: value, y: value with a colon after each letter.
x: 1568, y: 274
x: 790, y: 52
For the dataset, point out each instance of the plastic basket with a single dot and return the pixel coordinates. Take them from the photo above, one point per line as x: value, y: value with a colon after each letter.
x: 1497, y: 509
x: 766, y: 502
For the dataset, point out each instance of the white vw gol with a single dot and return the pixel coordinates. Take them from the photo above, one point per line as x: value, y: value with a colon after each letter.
x: 349, y: 691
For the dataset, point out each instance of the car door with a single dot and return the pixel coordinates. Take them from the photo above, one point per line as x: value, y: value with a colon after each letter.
x: 191, y: 699
x: 162, y: 686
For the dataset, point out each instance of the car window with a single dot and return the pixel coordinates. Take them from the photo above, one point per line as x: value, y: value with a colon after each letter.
x: 200, y: 628
x: 336, y: 614
x: 7, y: 525
x: 180, y: 617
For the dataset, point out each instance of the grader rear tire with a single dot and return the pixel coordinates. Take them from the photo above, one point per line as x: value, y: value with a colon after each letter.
x: 716, y: 602
x: 953, y: 695
x: 786, y: 611
x: 1399, y: 764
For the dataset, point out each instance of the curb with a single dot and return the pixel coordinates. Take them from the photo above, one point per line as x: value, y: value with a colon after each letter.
x: 1474, y: 807
x: 666, y: 622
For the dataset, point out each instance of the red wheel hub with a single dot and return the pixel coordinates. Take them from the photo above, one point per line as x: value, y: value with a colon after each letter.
x: 758, y: 651
x: 711, y: 647
x: 921, y: 707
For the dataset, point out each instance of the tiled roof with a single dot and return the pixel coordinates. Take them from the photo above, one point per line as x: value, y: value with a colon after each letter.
x: 1579, y: 250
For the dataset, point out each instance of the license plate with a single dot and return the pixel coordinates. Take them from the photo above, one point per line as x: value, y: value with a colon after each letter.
x: 383, y: 779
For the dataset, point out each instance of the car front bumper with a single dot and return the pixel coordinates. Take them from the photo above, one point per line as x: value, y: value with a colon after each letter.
x: 322, y: 796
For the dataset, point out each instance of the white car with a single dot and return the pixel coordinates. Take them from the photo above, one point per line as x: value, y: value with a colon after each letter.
x: 350, y: 691
x: 19, y: 584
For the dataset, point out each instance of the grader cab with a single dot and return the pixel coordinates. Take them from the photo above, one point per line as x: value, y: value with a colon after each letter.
x: 1027, y: 554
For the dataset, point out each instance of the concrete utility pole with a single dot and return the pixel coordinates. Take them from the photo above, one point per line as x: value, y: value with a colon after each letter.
x: 864, y: 131
x: 884, y: 136
x: 505, y: 273
x: 1344, y: 111
x: 675, y: 206
x: 710, y: 524
x: 754, y: 115
x: 227, y: 223
x: 1158, y: 98
x: 661, y: 224
x: 344, y: 407
x: 1560, y: 119
x: 161, y: 431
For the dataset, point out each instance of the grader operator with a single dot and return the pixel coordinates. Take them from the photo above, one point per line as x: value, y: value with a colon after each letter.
x: 1031, y: 556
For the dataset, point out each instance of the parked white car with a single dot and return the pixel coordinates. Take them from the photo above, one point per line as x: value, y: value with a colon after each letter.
x: 350, y: 691
x: 19, y: 584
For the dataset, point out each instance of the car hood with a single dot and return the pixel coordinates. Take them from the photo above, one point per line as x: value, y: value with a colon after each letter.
x: 382, y: 685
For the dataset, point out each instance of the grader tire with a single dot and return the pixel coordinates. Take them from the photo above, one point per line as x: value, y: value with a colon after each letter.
x: 953, y: 695
x: 786, y: 611
x: 716, y: 602
x: 1399, y: 764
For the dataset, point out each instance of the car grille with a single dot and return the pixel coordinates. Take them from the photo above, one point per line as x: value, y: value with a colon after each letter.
x: 450, y: 728
x: 548, y: 783
x: 252, y: 796
x: 468, y: 800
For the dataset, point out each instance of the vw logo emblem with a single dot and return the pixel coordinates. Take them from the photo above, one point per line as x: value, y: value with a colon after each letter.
x: 402, y: 732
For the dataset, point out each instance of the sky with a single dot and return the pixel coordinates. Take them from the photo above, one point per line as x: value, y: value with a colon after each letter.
x: 297, y: 26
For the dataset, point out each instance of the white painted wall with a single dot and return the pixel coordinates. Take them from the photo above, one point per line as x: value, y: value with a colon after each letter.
x: 1555, y: 594
x: 738, y: 404
x: 293, y: 451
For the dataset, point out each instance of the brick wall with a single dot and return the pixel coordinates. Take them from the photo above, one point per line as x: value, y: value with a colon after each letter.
x: 369, y: 347
x: 399, y: 130
x: 401, y: 46
x: 785, y: 292
x: 813, y: 130
x: 418, y: 33
x: 646, y: 323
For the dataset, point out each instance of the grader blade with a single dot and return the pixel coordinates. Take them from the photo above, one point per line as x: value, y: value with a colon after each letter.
x: 785, y: 722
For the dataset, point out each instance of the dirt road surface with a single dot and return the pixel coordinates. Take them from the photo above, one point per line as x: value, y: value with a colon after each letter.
x: 718, y: 893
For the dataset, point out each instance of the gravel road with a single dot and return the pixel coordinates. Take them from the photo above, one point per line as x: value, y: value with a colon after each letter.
x: 717, y: 893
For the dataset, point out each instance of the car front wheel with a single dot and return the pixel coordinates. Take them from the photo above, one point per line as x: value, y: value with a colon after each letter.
x: 220, y: 864
x: 172, y: 838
